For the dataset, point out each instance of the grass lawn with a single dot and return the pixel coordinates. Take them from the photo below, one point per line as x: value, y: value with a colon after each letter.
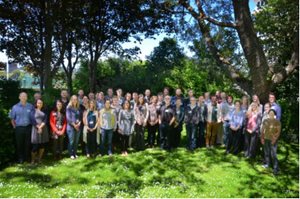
x: 155, y: 173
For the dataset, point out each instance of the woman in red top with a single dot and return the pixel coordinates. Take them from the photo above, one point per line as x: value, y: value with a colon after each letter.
x: 58, y: 125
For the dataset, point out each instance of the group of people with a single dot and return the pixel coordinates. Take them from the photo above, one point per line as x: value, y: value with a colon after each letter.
x: 104, y: 122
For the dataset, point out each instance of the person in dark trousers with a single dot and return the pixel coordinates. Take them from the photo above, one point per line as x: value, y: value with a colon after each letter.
x: 58, y: 125
x: 191, y: 120
x: 236, y: 119
x: 20, y: 116
x: 179, y: 115
x: 269, y: 138
x: 152, y: 121
x: 202, y: 122
x: 166, y: 120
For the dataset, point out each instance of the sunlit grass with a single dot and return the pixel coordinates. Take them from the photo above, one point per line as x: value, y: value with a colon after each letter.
x: 155, y: 173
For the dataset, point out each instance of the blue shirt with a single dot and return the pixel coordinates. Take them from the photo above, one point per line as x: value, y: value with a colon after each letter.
x: 21, y: 114
x: 277, y: 108
x: 236, y: 119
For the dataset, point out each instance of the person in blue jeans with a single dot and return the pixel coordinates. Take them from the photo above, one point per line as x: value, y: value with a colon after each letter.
x: 191, y: 119
x: 73, y: 126
x: 108, y: 124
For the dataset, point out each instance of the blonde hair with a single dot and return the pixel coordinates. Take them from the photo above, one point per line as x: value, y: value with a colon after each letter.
x: 71, y: 103
x: 92, y: 101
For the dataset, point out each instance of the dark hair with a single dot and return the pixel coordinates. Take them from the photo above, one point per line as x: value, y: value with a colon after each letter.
x: 35, y: 103
x: 160, y: 94
x: 229, y: 96
x: 272, y: 111
x: 62, y: 108
x: 237, y: 100
x: 125, y: 101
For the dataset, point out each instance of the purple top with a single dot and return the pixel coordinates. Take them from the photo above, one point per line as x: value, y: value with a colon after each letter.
x: 277, y: 108
x: 73, y: 116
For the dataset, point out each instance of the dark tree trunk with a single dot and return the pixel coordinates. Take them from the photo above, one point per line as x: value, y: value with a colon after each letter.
x: 92, y: 75
x: 253, y: 49
x: 70, y: 82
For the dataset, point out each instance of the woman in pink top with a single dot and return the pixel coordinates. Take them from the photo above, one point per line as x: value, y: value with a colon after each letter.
x: 252, y: 130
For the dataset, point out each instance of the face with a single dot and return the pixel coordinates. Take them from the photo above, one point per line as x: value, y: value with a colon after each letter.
x: 237, y: 105
x: 91, y: 96
x: 267, y: 108
x: 110, y: 92
x: 255, y: 98
x: 271, y: 98
x: 166, y: 92
x: 74, y: 100
x: 245, y: 100
x: 115, y: 101
x: 58, y: 105
x: 37, y: 96
x: 160, y: 98
x: 229, y: 100
x: 141, y: 99
x: 191, y: 93
x: 126, y: 105
x: 39, y: 104
x: 193, y: 101
x: 154, y: 99
x: 128, y: 96
x: 201, y: 99
x: 23, y: 97
x: 64, y: 94
x: 119, y: 92
x: 85, y: 100
x: 80, y: 93
x: 271, y: 115
x: 91, y: 105
x: 178, y: 92
x: 213, y: 99
x: 206, y: 95
x: 254, y: 107
x: 147, y: 92
x: 100, y: 96
x: 107, y: 104
x: 135, y: 96
x: 223, y: 95
x: 217, y: 93
x: 167, y: 99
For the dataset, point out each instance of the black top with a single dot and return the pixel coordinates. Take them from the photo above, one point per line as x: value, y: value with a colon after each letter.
x: 166, y: 113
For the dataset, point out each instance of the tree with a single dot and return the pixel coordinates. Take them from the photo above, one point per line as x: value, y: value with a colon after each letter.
x: 261, y: 79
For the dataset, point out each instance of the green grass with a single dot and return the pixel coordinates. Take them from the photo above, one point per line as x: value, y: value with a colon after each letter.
x: 155, y: 173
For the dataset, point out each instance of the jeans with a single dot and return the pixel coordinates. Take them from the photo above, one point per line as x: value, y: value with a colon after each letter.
x: 73, y: 136
x: 225, y: 132
x: 270, y: 151
x: 106, y: 136
x: 191, y: 130
x: 23, y: 141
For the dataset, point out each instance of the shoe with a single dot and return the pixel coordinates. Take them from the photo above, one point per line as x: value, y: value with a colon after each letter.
x: 72, y: 157
x: 76, y: 156
x: 88, y: 155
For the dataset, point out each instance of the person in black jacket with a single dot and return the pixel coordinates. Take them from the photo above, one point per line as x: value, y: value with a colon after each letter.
x: 202, y: 122
x: 179, y: 115
x: 191, y: 119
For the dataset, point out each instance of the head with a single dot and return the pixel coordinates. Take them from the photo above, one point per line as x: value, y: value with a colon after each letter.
x: 119, y: 92
x: 128, y: 96
x: 201, y: 99
x: 272, y: 114
x: 74, y: 101
x: 135, y: 96
x: 147, y: 92
x: 91, y: 96
x: 92, y: 105
x: 178, y: 92
x: 223, y: 96
x: 107, y: 104
x: 59, y: 105
x: 213, y: 99
x: 80, y: 93
x: 218, y: 93
x: 167, y: 100
x: 100, y: 96
x: 206, y: 95
x: 154, y: 99
x: 254, y: 106
x: 64, y: 94
x: 115, y: 100
x: 267, y: 107
x: 110, y: 92
x: 166, y: 91
x: 37, y: 96
x: 39, y: 104
x: 190, y: 93
x: 160, y: 97
x: 126, y: 105
x: 255, y: 99
x: 85, y: 100
x: 237, y: 105
x: 141, y: 99
x: 193, y: 101
x: 178, y: 102
x: 230, y: 99
x: 23, y: 97
x: 272, y: 98
x: 245, y: 100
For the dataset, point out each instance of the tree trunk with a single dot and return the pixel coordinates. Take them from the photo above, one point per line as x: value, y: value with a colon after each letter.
x: 253, y: 49
x: 70, y: 82
x: 92, y: 75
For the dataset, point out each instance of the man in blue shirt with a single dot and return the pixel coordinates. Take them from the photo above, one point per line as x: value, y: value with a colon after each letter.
x: 275, y: 106
x: 20, y: 116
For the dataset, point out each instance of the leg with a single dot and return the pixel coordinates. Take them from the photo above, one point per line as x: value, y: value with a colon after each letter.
x: 41, y: 152
x: 35, y: 148
x: 193, y: 136
x: 188, y: 133
x: 247, y: 144
x: 274, y: 157
x: 27, y: 142
x: 267, y: 151
x: 225, y: 132
x: 253, y: 143
x: 208, y: 134
x: 19, y: 143
x: 103, y: 140
x: 76, y: 141
x: 109, y: 138
x: 215, y: 128
x: 71, y: 142
x: 236, y: 141
x: 231, y: 137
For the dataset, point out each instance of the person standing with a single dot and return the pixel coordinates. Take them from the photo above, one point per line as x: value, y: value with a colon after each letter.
x: 126, y: 126
x: 252, y: 130
x: 235, y: 129
x: 270, y: 133
x: 178, y: 95
x: 148, y: 96
x: 64, y: 98
x: 80, y: 96
x: 116, y: 108
x: 179, y: 118
x: 110, y: 94
x: 166, y: 120
x: 58, y: 125
x: 100, y: 101
x: 202, y: 122
x: 120, y: 96
x: 141, y: 114
x: 39, y: 132
x: 90, y: 121
x: 225, y: 111
x: 108, y: 124
x: 152, y: 121
x: 275, y: 106
x: 213, y: 113
x: 191, y: 119
x: 20, y: 116
x: 73, y: 126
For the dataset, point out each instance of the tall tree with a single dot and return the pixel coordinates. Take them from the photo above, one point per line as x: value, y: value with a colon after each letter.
x: 262, y: 79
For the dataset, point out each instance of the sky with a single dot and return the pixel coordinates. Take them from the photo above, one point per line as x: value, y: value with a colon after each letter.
x: 147, y: 45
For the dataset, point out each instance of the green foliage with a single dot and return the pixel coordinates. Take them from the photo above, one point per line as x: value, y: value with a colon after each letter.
x: 156, y: 173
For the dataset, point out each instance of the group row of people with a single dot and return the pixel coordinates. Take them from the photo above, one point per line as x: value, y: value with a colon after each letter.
x: 106, y: 121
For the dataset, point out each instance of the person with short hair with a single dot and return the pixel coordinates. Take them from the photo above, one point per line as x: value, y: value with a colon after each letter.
x: 110, y: 95
x: 39, y: 132
x: 80, y: 96
x: 100, y: 101
x: 152, y: 121
x: 178, y: 95
x: 20, y: 116
x: 58, y: 125
x: 178, y: 124
x: 271, y: 129
x: 125, y: 126
x: 148, y: 96
x: 207, y: 98
x: 166, y: 120
x: 202, y: 122
x: 73, y: 126
x: 275, y: 106
x: 108, y: 124
x: 120, y: 96
x: 64, y: 98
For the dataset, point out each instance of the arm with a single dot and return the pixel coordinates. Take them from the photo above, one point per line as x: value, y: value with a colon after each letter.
x: 97, y: 123
x: 52, y: 123
x: 258, y: 123
x: 100, y: 118
x: 63, y: 130
x: 147, y: 114
x: 262, y: 137
x: 12, y: 116
x: 276, y: 134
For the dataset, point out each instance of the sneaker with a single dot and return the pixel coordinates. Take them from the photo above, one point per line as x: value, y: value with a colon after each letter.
x: 76, y: 156
x: 88, y: 155
x: 72, y: 157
